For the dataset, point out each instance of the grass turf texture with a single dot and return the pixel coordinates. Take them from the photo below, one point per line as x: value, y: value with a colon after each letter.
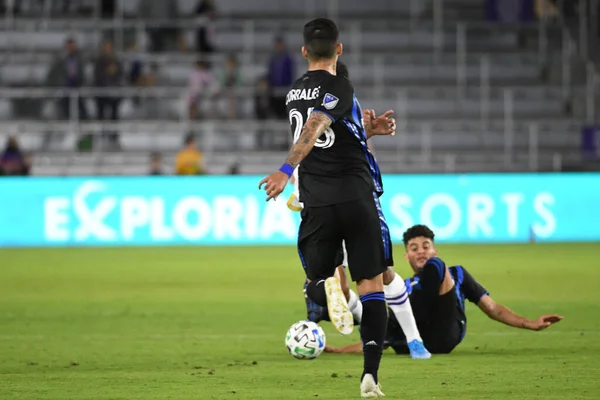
x: 209, y: 323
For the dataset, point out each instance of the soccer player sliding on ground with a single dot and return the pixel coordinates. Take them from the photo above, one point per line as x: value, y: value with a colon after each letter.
x: 438, y: 295
x: 338, y: 179
x: 395, y: 292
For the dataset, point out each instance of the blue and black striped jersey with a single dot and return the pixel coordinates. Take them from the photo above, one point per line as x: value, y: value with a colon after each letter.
x: 340, y: 167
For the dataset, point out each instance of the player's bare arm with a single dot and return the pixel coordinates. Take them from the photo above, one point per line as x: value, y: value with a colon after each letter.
x: 503, y: 314
x: 315, y: 126
x: 381, y: 125
x: 355, y: 348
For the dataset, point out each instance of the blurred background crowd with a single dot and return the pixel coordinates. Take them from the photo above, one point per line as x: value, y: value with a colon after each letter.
x: 95, y: 87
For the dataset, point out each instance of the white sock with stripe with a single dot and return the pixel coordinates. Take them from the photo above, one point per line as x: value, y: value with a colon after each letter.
x: 355, y: 306
x: 396, y: 296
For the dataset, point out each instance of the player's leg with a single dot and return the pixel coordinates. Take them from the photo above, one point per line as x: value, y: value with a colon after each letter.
x: 314, y: 312
x: 354, y: 303
x: 447, y: 320
x: 366, y: 262
x: 396, y: 294
x: 317, y: 313
x: 447, y: 327
x: 318, y: 242
x: 372, y: 331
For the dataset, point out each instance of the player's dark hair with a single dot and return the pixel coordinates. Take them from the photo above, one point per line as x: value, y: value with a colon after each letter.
x: 321, y: 38
x: 417, y: 231
x: 341, y: 70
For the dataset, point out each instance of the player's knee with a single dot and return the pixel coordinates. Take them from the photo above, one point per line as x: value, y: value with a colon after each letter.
x: 445, y: 278
x: 371, y: 285
x: 388, y: 276
x: 439, y: 267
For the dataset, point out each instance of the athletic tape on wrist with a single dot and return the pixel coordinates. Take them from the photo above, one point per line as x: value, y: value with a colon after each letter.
x: 287, y: 169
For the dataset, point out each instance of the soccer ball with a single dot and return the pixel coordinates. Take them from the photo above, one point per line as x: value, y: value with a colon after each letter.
x: 305, y: 339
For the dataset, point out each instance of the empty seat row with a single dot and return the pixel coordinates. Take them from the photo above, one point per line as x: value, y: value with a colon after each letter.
x: 249, y: 139
x: 263, y: 41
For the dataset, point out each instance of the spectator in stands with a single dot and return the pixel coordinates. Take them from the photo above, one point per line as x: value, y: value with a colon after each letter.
x: 281, y: 77
x: 155, y: 164
x: 134, y: 71
x: 201, y: 85
x: 230, y: 80
x: 13, y: 161
x: 107, y: 74
x: 206, y: 14
x: 234, y: 169
x: 189, y: 161
x: 510, y: 11
x: 159, y: 13
x: 546, y: 9
x: 68, y: 72
x: 135, y: 66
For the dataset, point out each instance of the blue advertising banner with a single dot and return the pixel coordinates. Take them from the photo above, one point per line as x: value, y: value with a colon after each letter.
x: 223, y: 210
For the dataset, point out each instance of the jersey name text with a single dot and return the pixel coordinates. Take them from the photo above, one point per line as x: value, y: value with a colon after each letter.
x: 302, y: 94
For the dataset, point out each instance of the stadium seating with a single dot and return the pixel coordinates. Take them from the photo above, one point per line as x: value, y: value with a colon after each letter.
x: 469, y: 103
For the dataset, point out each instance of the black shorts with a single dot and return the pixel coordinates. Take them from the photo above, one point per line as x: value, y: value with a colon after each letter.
x: 441, y: 332
x: 342, y: 259
x: 358, y: 224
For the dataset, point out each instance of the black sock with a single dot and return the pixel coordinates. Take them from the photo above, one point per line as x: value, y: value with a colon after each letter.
x: 372, y: 331
x: 316, y: 292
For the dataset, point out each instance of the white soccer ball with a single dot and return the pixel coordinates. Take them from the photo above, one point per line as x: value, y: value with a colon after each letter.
x: 305, y: 339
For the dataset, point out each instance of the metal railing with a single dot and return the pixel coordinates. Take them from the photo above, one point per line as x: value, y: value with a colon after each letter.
x: 215, y: 137
x: 374, y: 94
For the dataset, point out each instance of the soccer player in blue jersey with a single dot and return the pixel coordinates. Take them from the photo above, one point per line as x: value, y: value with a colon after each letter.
x: 395, y: 292
x: 437, y: 294
x: 340, y: 185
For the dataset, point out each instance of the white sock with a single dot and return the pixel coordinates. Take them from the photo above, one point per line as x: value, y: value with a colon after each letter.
x: 355, y: 306
x: 397, y: 299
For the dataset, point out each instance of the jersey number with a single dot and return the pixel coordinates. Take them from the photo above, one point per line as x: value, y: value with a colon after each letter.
x: 325, y: 141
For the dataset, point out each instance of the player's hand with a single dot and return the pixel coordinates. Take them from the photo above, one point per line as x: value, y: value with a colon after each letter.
x: 545, y: 321
x: 274, y: 184
x: 381, y: 125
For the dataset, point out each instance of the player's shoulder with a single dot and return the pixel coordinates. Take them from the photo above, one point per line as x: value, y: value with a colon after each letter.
x: 456, y: 269
x: 338, y: 82
x: 458, y: 272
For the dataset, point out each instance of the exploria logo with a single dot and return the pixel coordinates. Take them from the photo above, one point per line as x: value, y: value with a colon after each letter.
x: 91, y: 219
x: 111, y: 213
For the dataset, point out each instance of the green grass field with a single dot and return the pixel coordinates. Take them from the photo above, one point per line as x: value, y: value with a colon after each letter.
x: 209, y: 323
